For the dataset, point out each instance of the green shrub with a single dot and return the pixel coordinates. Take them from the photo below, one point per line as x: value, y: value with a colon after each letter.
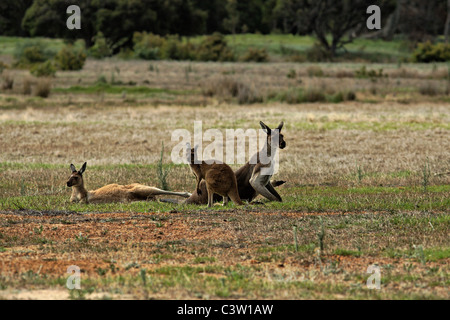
x: 147, y: 46
x: 291, y: 74
x: 372, y: 74
x: 428, y: 52
x: 256, y: 55
x: 45, y: 69
x: 30, y: 53
x: 317, y: 54
x: 215, y: 48
x: 69, y: 58
x: 172, y: 49
x: 101, y: 49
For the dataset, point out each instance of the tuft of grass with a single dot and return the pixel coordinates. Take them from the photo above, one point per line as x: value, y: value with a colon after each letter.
x: 347, y: 252
x: 426, y: 174
x: 315, y: 71
x: 321, y: 235
x: 7, y: 81
x: 162, y: 174
x: 43, y: 88
x: 229, y: 88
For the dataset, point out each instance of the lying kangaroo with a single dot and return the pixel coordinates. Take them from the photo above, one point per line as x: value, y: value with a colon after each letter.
x: 113, y: 192
x: 219, y: 178
x: 250, y: 178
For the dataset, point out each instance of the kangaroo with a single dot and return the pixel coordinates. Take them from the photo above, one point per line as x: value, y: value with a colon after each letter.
x: 219, y: 178
x: 112, y: 192
x: 250, y: 173
x: 254, y: 177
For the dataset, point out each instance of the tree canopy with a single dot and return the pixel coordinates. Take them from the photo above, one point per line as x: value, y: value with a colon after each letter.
x: 332, y: 22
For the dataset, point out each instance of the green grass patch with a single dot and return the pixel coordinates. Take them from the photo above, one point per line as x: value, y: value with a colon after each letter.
x: 346, y: 252
x: 429, y: 254
x: 112, y: 89
x: 303, y: 199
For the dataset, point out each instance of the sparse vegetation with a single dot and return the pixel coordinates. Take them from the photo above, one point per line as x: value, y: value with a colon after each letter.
x: 70, y: 59
x: 162, y: 173
x: 7, y: 81
x: 363, y: 154
x: 428, y: 52
x: 43, y: 88
x: 46, y: 69
x: 255, y: 55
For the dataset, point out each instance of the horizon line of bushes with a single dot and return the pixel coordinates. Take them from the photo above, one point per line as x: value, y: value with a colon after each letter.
x: 41, y: 62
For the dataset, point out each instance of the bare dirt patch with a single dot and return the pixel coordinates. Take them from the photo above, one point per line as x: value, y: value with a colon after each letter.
x: 205, y: 246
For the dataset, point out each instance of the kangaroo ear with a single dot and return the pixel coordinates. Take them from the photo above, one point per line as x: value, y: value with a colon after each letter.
x: 266, y: 129
x: 72, y: 167
x: 188, y: 152
x: 280, y: 126
x: 83, y: 168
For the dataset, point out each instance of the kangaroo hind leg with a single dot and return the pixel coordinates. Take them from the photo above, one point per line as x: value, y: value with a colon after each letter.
x: 259, y: 183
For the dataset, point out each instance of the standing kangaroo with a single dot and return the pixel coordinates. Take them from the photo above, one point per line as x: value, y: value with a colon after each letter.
x: 250, y: 178
x: 112, y: 192
x: 219, y: 178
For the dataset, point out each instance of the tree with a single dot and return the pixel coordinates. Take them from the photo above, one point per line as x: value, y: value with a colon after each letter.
x: 11, y: 13
x: 48, y: 18
x: 447, y: 23
x: 232, y: 21
x: 423, y: 20
x: 334, y: 22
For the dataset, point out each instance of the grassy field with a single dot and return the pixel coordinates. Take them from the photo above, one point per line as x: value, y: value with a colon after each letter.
x: 367, y: 182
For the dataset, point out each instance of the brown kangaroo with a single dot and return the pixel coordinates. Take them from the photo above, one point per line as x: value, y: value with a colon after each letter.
x: 249, y: 177
x: 219, y: 178
x: 113, y: 192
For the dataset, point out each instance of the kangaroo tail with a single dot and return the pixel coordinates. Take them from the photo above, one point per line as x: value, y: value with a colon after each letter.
x: 233, y: 194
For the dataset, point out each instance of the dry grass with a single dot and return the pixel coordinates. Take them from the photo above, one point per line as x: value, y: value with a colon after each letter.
x: 361, y: 152
x: 43, y: 88
x: 7, y: 81
x: 324, y: 141
x: 27, y: 85
x: 231, y: 255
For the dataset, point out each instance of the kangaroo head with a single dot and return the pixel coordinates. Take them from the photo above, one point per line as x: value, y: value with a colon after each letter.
x: 76, y: 178
x: 270, y: 132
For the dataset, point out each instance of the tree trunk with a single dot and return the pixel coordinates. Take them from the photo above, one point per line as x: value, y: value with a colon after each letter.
x: 447, y: 23
x: 395, y: 18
